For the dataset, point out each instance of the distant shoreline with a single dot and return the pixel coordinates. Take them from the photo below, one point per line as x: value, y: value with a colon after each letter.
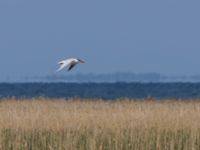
x: 133, y: 90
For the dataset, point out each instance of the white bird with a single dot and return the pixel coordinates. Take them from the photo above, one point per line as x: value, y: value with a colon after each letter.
x: 70, y: 63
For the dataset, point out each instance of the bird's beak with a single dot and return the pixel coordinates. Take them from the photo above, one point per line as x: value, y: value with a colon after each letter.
x: 82, y: 61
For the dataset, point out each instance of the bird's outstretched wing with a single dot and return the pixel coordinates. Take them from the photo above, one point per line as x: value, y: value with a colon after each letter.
x: 61, y: 67
x: 63, y: 64
x: 71, y: 66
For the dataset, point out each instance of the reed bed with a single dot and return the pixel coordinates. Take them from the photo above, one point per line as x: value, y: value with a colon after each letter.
x: 58, y: 124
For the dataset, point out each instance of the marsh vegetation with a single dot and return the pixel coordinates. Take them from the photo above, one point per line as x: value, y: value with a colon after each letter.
x: 45, y: 124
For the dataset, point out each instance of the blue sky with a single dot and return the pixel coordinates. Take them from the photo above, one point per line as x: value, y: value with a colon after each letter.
x: 138, y: 36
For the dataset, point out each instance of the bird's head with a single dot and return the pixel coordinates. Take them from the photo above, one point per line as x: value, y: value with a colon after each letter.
x: 80, y: 61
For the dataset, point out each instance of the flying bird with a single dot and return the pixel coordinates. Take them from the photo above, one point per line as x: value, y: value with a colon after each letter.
x: 70, y: 63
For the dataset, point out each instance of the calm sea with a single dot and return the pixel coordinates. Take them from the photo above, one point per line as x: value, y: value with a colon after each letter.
x: 101, y: 90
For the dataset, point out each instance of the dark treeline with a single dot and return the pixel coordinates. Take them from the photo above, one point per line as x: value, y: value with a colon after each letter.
x: 120, y: 77
x: 101, y: 90
x: 111, y: 78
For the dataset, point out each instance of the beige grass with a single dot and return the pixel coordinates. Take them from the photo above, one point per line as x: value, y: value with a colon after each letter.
x: 95, y: 124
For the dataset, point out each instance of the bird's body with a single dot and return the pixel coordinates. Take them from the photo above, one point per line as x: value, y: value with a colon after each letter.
x: 70, y: 63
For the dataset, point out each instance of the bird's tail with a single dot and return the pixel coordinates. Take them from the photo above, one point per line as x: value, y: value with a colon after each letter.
x: 58, y: 69
x: 60, y: 63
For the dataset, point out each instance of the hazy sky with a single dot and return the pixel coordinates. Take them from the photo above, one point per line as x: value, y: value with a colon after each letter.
x: 138, y: 36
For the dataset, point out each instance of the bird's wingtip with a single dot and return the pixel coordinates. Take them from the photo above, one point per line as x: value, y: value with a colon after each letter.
x: 58, y: 70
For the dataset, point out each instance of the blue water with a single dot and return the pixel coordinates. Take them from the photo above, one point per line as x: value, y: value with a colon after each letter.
x: 101, y: 90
